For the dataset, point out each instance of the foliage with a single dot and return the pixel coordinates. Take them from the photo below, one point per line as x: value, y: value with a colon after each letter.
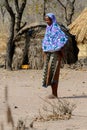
x: 56, y: 110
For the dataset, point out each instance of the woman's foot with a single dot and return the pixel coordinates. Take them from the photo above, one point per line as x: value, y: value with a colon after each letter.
x: 51, y: 96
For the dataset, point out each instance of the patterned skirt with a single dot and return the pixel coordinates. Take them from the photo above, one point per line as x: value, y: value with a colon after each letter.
x: 49, y: 69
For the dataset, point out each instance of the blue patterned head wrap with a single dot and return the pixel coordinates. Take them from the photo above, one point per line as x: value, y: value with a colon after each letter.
x: 54, y: 38
x: 52, y: 16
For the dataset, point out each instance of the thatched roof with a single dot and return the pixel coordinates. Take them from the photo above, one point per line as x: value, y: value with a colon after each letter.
x: 30, y: 26
x: 79, y: 27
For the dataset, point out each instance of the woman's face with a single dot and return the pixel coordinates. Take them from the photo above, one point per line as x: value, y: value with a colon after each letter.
x: 48, y: 20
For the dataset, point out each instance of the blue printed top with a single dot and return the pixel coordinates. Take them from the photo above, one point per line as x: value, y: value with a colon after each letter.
x: 54, y: 38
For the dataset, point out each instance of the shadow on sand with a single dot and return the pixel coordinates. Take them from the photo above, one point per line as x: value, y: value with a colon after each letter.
x: 80, y: 96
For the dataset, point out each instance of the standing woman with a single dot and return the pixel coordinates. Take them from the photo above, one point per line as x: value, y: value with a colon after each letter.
x: 52, y: 45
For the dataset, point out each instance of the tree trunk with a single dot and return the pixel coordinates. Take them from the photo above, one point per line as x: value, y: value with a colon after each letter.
x: 10, y: 44
x: 13, y: 30
x: 9, y: 55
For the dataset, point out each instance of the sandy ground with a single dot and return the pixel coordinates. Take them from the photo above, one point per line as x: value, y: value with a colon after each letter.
x: 25, y: 96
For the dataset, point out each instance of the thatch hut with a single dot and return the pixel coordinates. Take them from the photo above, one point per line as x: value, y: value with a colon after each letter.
x: 28, y: 48
x: 79, y: 28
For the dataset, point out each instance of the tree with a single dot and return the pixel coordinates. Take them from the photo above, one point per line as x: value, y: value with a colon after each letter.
x: 2, y: 12
x: 44, y: 11
x: 15, y: 26
x: 69, y: 10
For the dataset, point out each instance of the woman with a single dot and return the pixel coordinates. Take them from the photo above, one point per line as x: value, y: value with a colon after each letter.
x: 52, y: 45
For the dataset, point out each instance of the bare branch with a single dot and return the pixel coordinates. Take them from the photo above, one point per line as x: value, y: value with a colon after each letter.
x: 19, y: 13
x: 69, y: 10
x: 9, y: 9
x: 3, y: 12
x: 24, y: 24
x: 44, y: 9
x: 73, y: 1
x: 64, y: 8
x: 61, y: 4
x: 16, y: 5
x: 27, y: 28
x: 23, y: 6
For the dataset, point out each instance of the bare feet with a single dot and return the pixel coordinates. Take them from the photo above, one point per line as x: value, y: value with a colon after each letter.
x: 51, y: 96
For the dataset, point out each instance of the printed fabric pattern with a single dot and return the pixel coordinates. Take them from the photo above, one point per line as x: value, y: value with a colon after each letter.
x: 54, y: 38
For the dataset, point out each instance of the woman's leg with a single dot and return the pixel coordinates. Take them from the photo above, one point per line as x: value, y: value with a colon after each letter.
x: 45, y: 69
x: 54, y: 85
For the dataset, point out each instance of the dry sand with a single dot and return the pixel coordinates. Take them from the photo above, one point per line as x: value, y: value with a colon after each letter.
x: 24, y: 92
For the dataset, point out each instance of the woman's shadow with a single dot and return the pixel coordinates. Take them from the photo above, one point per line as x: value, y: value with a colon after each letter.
x: 75, y: 96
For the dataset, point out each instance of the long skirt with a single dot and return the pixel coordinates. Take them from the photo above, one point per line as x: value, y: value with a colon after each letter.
x: 50, y: 69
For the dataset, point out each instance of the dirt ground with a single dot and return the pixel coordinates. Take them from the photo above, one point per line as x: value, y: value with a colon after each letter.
x: 25, y: 93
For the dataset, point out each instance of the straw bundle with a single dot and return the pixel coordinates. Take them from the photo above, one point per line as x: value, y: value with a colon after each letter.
x: 79, y: 27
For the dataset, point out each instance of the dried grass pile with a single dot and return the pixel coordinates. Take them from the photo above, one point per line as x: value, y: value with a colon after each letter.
x: 79, y: 27
x: 56, y: 110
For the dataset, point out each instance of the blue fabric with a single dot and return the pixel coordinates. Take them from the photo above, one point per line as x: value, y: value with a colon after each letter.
x: 54, y: 38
